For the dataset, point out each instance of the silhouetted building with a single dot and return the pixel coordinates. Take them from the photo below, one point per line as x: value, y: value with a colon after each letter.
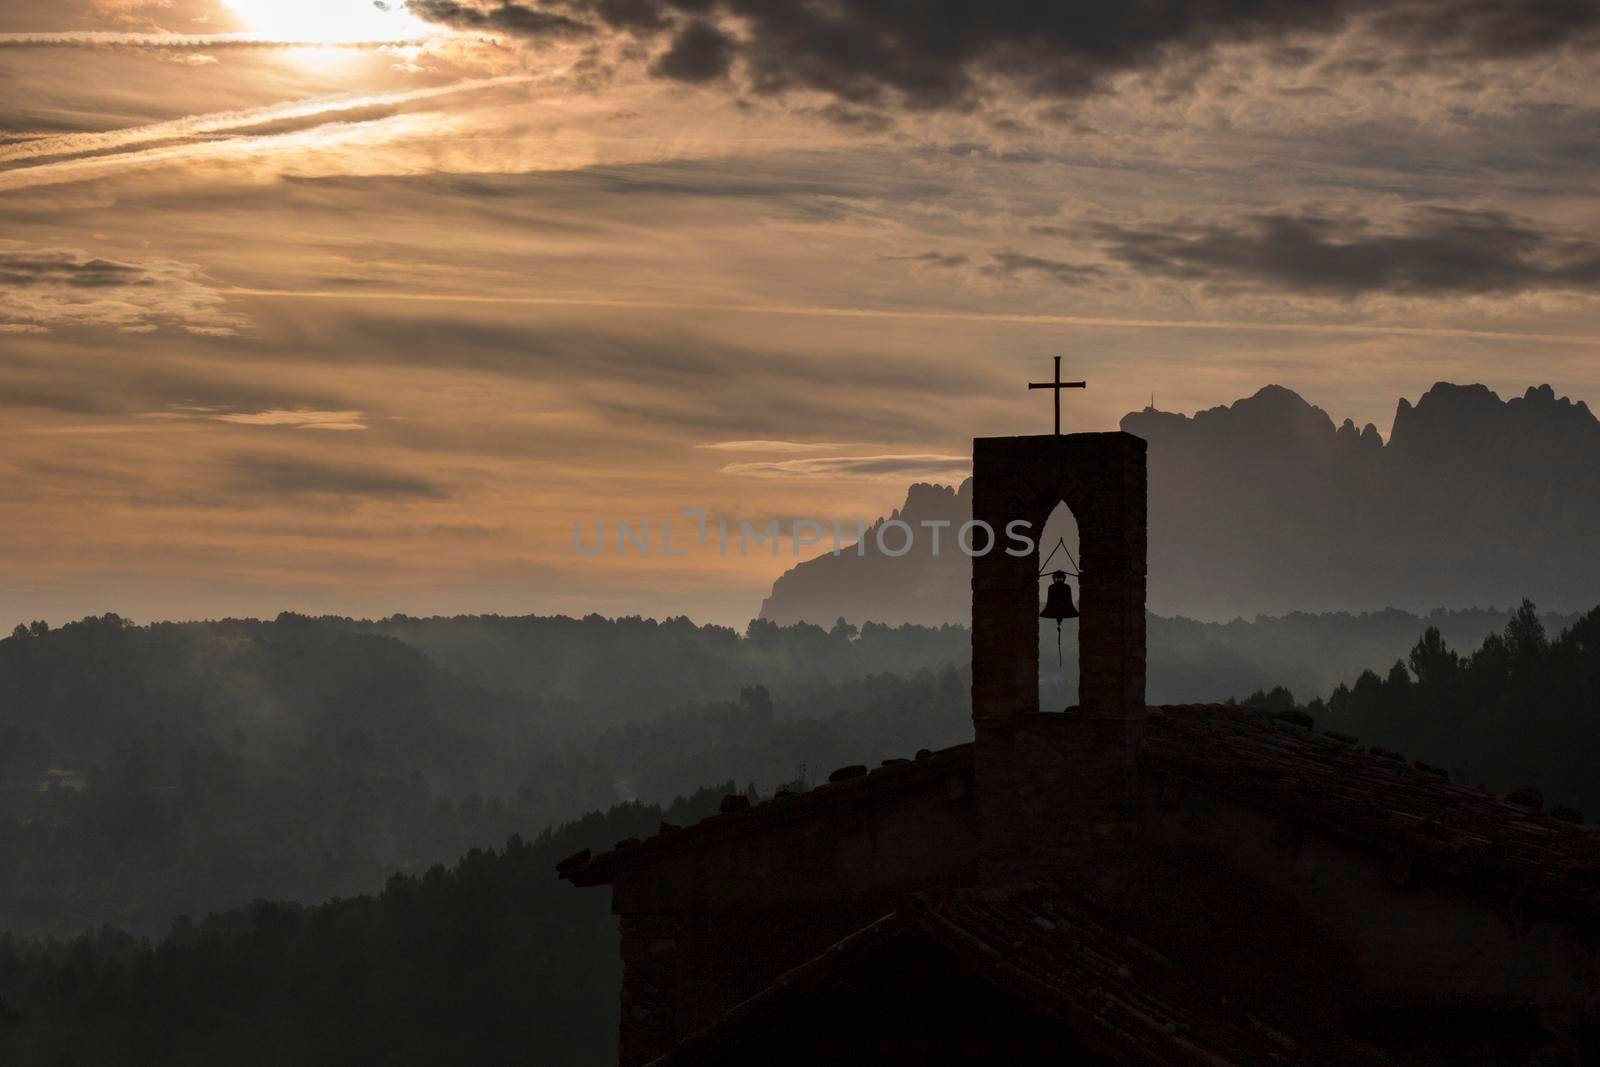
x: 1118, y: 883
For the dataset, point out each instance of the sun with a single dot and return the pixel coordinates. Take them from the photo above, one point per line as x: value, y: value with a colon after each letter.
x: 330, y: 21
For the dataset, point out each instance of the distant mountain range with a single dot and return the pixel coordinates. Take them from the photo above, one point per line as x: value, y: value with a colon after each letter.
x: 1266, y: 506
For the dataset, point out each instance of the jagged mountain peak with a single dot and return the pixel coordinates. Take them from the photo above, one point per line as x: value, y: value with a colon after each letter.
x: 930, y: 500
x: 1475, y: 418
x: 1271, y: 407
x: 1270, y: 403
x: 1268, y: 505
x: 1273, y: 412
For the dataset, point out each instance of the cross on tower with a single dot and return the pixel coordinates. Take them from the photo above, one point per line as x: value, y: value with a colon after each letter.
x: 1058, y: 385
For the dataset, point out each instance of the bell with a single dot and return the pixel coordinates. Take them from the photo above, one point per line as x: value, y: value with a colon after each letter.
x: 1058, y: 599
x: 1058, y: 605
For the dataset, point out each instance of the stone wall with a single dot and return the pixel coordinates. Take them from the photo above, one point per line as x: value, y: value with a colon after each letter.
x: 705, y: 928
x: 1057, y: 792
x: 1058, y: 799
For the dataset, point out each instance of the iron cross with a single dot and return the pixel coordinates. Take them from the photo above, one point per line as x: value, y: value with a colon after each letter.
x: 1058, y: 385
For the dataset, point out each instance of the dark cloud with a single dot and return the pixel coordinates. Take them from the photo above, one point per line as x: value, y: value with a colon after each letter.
x: 855, y: 118
x: 520, y: 20
x: 1494, y: 28
x: 932, y: 259
x: 699, y: 53
x: 1018, y: 264
x: 1436, y: 252
x: 935, y: 53
x: 632, y: 14
x: 279, y: 475
x: 69, y: 269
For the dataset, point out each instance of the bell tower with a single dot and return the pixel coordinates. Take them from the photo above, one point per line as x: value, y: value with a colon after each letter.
x: 1101, y: 477
x: 1057, y: 793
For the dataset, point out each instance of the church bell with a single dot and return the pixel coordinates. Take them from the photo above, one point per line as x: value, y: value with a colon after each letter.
x: 1058, y: 599
x: 1058, y: 605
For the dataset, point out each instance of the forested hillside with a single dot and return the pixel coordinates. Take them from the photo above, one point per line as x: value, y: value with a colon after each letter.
x: 489, y: 961
x: 1517, y: 712
x: 493, y: 959
x: 150, y: 771
x: 147, y: 771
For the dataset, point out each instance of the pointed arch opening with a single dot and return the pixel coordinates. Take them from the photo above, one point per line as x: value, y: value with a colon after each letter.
x: 1102, y: 478
x: 1058, y: 639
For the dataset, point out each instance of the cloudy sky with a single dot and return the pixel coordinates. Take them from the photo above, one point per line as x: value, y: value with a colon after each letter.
x: 354, y: 307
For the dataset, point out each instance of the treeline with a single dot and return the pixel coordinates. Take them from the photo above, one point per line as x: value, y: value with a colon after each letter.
x: 1304, y: 651
x: 137, y: 702
x: 1521, y: 711
x: 303, y: 759
x: 801, y: 737
x: 597, y: 672
x: 297, y: 758
x: 490, y: 961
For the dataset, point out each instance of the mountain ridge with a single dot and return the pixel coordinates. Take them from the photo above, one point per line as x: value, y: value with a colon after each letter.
x: 1268, y: 505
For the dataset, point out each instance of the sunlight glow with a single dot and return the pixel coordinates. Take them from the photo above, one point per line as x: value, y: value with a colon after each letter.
x: 330, y: 21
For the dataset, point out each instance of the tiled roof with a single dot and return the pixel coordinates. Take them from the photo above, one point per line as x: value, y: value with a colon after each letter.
x: 1371, y: 794
x: 848, y: 785
x: 1118, y: 997
x: 1323, y: 779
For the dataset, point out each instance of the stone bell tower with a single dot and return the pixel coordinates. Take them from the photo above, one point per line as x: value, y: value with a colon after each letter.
x: 1101, y: 478
x: 1057, y: 792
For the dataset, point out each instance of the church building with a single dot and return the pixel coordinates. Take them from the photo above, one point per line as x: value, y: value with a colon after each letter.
x: 1112, y: 883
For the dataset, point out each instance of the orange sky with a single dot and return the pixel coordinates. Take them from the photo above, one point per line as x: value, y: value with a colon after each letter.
x: 326, y: 307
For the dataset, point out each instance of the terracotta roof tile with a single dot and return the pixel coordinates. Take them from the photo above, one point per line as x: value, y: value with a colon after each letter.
x: 735, y: 821
x: 1122, y: 999
x: 1326, y: 779
x: 1327, y: 782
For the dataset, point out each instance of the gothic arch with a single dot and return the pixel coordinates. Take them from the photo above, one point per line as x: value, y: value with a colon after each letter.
x: 1058, y: 664
x: 1102, y: 479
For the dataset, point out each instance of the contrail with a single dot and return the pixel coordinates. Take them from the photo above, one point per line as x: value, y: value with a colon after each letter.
x: 1013, y: 318
x: 115, y: 39
x: 74, y: 144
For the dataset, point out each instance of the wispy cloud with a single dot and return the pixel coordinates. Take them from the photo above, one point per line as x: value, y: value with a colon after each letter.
x: 57, y: 150
x: 1020, y: 318
x: 930, y: 258
x: 293, y: 476
x: 119, y: 39
x: 44, y: 287
x: 1431, y: 252
x: 302, y: 420
x: 291, y: 418
x: 1009, y: 264
x: 873, y: 467
x: 784, y: 447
